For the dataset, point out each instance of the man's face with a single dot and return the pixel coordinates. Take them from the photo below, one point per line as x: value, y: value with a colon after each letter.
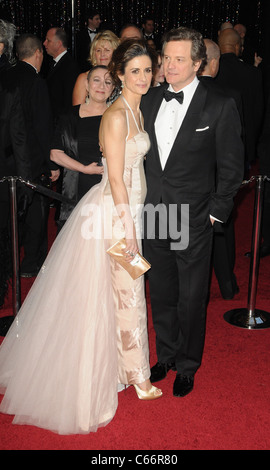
x: 131, y: 33
x: 149, y: 26
x: 179, y: 68
x: 94, y: 22
x: 51, y: 43
x: 39, y: 56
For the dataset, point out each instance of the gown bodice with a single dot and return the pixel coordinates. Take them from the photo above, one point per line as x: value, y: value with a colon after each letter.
x: 135, y: 150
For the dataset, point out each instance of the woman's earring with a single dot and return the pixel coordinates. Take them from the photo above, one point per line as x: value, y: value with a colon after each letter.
x: 87, y: 99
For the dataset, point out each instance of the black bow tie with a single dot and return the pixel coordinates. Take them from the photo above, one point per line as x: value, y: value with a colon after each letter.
x: 169, y: 95
x: 91, y: 31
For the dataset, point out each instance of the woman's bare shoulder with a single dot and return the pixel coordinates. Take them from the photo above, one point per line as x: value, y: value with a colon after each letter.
x: 81, y: 79
x: 114, y: 116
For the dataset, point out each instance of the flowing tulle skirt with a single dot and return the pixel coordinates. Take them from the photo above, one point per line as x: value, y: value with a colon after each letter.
x: 58, y: 362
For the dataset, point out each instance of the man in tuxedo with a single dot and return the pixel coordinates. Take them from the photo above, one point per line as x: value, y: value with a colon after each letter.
x: 14, y: 161
x: 38, y: 121
x: 85, y: 38
x: 195, y: 136
x: 61, y: 79
x: 224, y: 239
x: 247, y: 81
x: 264, y: 161
x: 148, y: 27
x: 63, y: 71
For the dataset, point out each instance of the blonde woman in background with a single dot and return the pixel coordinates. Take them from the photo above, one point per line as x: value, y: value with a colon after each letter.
x: 101, y: 52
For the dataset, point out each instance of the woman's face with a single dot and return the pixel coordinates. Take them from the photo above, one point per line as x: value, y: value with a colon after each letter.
x: 138, y: 75
x: 99, y: 85
x: 160, y: 71
x: 103, y: 52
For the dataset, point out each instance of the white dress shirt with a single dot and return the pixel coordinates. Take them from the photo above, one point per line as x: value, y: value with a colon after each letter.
x: 169, y: 120
x: 56, y: 59
x: 92, y: 34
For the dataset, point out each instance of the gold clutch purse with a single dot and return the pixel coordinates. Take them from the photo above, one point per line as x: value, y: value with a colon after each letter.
x: 138, y: 266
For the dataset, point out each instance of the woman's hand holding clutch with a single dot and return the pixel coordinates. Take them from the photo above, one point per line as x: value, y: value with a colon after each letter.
x: 131, y: 249
x: 138, y: 264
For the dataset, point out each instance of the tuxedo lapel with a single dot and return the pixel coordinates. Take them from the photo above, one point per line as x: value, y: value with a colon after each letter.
x: 51, y: 69
x: 188, y: 126
x: 55, y: 66
x: 152, y: 118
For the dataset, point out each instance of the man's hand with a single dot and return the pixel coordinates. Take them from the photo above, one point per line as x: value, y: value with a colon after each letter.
x: 54, y: 175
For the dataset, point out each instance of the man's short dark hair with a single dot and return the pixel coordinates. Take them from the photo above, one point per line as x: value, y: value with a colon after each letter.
x: 61, y: 34
x: 92, y: 13
x: 198, y: 49
x: 26, y: 45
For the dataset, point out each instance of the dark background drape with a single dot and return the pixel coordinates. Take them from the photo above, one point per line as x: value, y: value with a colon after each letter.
x: 36, y: 16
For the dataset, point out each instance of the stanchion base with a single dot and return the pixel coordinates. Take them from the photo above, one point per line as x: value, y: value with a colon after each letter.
x: 242, y: 318
x: 5, y: 324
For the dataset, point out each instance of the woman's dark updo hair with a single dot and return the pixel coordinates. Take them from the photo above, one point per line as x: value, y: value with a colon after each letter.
x: 126, y: 51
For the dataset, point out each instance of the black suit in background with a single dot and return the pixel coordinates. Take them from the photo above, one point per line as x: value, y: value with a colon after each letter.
x: 14, y: 161
x: 264, y: 164
x: 247, y: 80
x: 83, y: 45
x: 61, y: 79
x: 208, y: 140
x: 38, y: 120
x: 224, y: 239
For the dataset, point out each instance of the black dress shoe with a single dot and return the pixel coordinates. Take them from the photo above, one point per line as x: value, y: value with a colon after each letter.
x: 264, y: 251
x: 159, y: 371
x: 231, y: 296
x: 183, y: 385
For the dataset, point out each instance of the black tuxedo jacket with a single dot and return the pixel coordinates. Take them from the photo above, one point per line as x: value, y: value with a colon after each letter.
x: 264, y: 144
x: 247, y: 80
x: 14, y: 158
x: 37, y: 113
x: 61, y: 80
x: 83, y: 45
x: 229, y: 92
x: 208, y: 148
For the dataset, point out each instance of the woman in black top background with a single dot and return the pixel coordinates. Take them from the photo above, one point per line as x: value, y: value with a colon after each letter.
x: 76, y: 144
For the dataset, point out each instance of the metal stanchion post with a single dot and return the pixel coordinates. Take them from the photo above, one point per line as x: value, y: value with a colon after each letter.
x: 5, y: 322
x: 251, y: 317
x: 16, y: 291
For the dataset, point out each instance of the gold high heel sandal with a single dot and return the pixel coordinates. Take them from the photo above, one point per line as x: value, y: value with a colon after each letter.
x: 152, y: 394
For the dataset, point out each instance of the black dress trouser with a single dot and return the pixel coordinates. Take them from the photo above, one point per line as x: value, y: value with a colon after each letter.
x: 179, y: 286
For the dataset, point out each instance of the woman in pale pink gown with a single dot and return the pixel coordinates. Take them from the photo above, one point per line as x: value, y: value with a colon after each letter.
x: 82, y: 329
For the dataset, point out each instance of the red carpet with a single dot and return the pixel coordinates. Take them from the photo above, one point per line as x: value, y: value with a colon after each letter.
x: 229, y: 408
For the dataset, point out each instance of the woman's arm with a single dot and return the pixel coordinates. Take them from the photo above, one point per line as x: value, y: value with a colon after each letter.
x: 113, y: 133
x: 62, y: 159
x: 79, y: 91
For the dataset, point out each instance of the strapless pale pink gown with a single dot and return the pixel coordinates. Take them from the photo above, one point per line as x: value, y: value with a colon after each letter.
x: 82, y: 329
